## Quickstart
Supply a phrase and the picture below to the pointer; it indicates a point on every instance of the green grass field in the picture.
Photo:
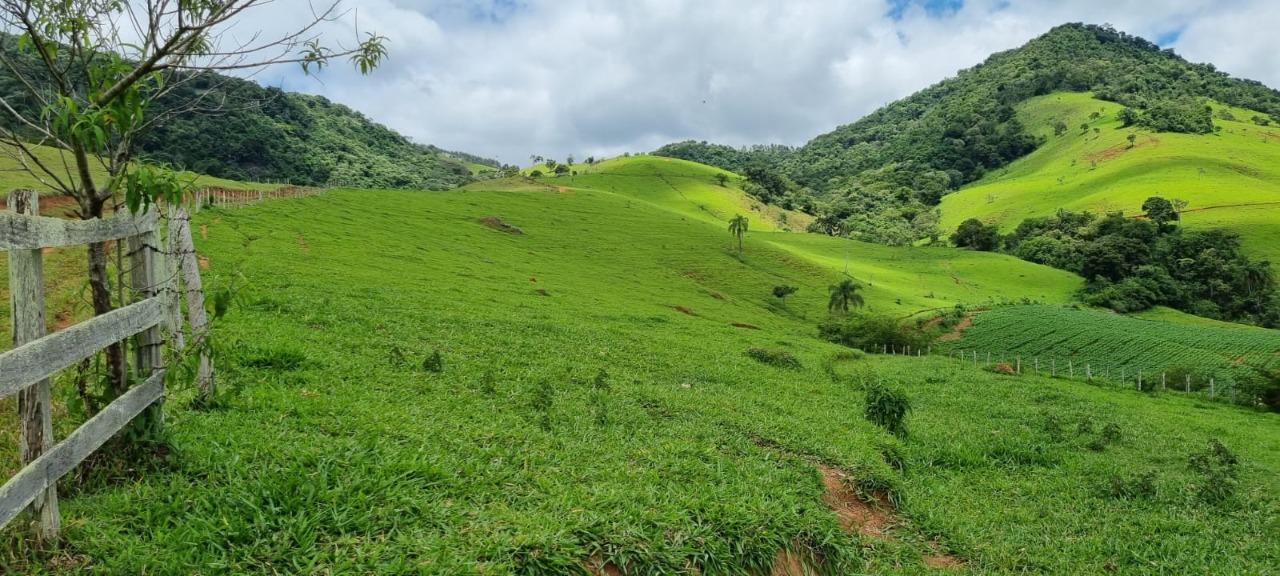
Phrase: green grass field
(340, 450)
(1110, 343)
(14, 175)
(687, 188)
(1216, 174)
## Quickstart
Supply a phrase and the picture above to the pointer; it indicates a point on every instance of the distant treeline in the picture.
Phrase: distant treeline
(1132, 264)
(234, 128)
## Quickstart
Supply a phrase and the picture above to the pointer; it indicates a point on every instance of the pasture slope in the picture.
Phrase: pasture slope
(1230, 179)
(594, 405)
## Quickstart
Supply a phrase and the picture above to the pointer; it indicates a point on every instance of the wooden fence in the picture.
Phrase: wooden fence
(225, 197)
(25, 370)
(1141, 379)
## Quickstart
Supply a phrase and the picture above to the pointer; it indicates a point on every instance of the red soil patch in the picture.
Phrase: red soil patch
(855, 515)
(685, 309)
(789, 564)
(497, 224)
(204, 262)
(940, 560)
(957, 332)
(62, 320)
(562, 190)
(1003, 368)
(1238, 360)
(204, 231)
(49, 205)
(1108, 154)
(1271, 135)
(597, 567)
(745, 326)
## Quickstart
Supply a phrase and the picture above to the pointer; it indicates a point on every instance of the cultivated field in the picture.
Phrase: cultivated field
(1110, 343)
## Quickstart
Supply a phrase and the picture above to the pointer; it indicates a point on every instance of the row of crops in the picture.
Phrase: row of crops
(1113, 344)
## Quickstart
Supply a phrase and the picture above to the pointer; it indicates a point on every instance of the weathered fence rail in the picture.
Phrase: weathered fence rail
(25, 370)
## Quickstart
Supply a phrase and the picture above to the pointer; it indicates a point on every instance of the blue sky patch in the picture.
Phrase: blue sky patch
(933, 8)
(1170, 37)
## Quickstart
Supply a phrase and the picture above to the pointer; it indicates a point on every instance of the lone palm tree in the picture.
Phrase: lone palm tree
(738, 227)
(843, 295)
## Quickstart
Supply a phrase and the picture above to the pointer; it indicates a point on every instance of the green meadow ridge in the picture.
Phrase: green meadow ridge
(536, 376)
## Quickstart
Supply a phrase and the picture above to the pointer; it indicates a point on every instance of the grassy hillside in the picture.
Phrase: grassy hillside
(13, 175)
(898, 281)
(1230, 179)
(595, 402)
(686, 188)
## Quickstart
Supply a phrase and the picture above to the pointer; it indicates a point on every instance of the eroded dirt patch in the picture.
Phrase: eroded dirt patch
(598, 567)
(497, 224)
(855, 514)
(957, 332)
(686, 310)
(745, 326)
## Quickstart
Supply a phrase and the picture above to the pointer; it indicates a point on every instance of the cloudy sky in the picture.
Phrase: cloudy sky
(510, 78)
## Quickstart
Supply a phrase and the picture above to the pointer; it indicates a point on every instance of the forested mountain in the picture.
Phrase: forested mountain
(237, 129)
(876, 176)
(966, 125)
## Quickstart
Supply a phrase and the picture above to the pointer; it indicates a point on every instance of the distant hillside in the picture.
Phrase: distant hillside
(263, 133)
(237, 129)
(967, 125)
(1230, 179)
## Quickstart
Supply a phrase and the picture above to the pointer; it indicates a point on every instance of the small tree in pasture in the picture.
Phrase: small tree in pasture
(844, 295)
(737, 227)
(782, 291)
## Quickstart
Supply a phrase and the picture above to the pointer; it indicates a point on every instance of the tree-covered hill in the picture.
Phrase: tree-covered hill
(966, 125)
(237, 129)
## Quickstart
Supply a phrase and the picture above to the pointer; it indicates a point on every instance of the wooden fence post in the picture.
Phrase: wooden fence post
(148, 345)
(196, 315)
(171, 279)
(26, 298)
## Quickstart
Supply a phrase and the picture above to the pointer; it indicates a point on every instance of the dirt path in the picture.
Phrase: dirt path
(957, 332)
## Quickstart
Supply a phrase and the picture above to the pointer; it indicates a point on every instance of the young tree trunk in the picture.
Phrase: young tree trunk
(100, 288)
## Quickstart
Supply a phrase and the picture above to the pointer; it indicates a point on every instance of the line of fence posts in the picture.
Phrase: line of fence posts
(36, 356)
(225, 198)
(1089, 374)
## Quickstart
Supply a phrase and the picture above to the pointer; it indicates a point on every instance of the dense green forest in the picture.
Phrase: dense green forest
(1134, 264)
(876, 176)
(237, 129)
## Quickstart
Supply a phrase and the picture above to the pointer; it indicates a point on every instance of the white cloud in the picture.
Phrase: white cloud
(509, 78)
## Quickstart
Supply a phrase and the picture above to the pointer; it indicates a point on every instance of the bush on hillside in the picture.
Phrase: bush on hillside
(887, 407)
(871, 333)
(779, 358)
(1184, 115)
